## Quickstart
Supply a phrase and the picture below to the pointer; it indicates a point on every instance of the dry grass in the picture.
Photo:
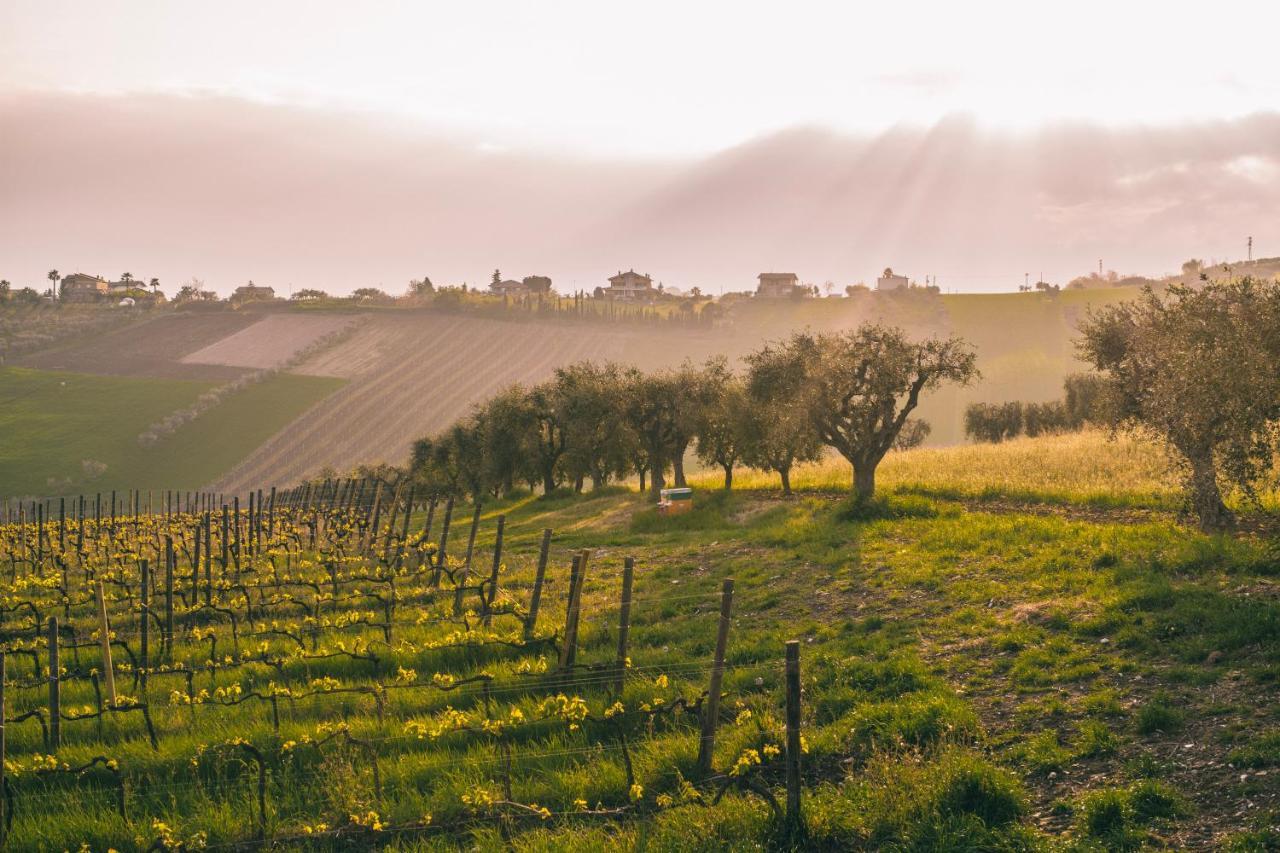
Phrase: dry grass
(1087, 467)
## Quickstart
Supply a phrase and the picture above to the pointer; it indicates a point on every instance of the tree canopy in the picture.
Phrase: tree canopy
(1196, 368)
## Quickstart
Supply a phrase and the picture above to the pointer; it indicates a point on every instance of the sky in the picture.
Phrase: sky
(348, 145)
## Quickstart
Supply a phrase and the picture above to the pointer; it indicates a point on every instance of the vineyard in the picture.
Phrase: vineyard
(349, 665)
(325, 664)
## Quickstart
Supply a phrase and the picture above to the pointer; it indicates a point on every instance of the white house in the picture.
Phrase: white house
(778, 285)
(630, 286)
(889, 281)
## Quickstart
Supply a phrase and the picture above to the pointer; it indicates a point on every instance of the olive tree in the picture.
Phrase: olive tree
(509, 447)
(694, 389)
(860, 387)
(723, 422)
(548, 434)
(1196, 369)
(651, 405)
(599, 444)
(779, 432)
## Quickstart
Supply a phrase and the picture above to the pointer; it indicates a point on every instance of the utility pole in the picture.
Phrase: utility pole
(1250, 250)
(1099, 267)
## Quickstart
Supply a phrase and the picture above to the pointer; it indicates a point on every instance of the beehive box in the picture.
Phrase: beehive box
(675, 501)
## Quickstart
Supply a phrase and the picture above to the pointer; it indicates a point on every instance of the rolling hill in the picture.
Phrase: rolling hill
(392, 376)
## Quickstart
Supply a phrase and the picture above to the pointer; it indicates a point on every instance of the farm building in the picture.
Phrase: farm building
(889, 281)
(79, 287)
(630, 286)
(779, 285)
(509, 287)
(253, 293)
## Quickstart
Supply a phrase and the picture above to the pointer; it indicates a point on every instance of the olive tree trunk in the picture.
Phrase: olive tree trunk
(1206, 497)
(864, 481)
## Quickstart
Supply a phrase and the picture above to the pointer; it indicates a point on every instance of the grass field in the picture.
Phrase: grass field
(51, 422)
(1083, 469)
(978, 673)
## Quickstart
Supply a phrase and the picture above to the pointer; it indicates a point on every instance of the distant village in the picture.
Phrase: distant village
(628, 287)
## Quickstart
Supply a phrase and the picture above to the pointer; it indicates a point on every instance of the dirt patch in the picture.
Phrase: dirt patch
(269, 342)
(151, 347)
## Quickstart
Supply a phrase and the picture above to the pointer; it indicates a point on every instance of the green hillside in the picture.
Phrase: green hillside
(1017, 648)
(53, 423)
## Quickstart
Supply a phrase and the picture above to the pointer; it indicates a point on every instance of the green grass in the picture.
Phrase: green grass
(1082, 471)
(977, 676)
(53, 422)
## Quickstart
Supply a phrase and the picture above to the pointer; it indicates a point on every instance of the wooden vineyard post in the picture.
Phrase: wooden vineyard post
(426, 526)
(55, 688)
(711, 713)
(466, 563)
(208, 558)
(195, 566)
(471, 541)
(624, 621)
(170, 563)
(104, 638)
(371, 531)
(793, 734)
(237, 545)
(574, 568)
(144, 627)
(403, 546)
(271, 514)
(492, 592)
(226, 537)
(444, 542)
(391, 522)
(531, 623)
(570, 654)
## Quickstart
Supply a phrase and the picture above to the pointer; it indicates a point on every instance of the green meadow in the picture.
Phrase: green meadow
(978, 674)
(53, 423)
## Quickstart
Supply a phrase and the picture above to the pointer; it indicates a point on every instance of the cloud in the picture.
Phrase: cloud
(229, 190)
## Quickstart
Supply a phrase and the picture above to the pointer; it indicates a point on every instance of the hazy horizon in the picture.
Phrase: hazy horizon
(299, 145)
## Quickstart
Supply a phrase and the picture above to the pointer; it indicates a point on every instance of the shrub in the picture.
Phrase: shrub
(1084, 399)
(1042, 753)
(956, 801)
(1118, 816)
(1159, 715)
(976, 788)
(1107, 816)
(1261, 751)
(1096, 740)
(1044, 418)
(993, 422)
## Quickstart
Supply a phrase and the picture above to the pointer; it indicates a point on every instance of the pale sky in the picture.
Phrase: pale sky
(664, 78)
(348, 144)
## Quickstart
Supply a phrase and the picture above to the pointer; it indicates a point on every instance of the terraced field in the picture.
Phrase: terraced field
(153, 346)
(269, 342)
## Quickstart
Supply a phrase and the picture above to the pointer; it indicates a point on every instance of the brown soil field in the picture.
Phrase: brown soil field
(268, 342)
(413, 375)
(151, 347)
